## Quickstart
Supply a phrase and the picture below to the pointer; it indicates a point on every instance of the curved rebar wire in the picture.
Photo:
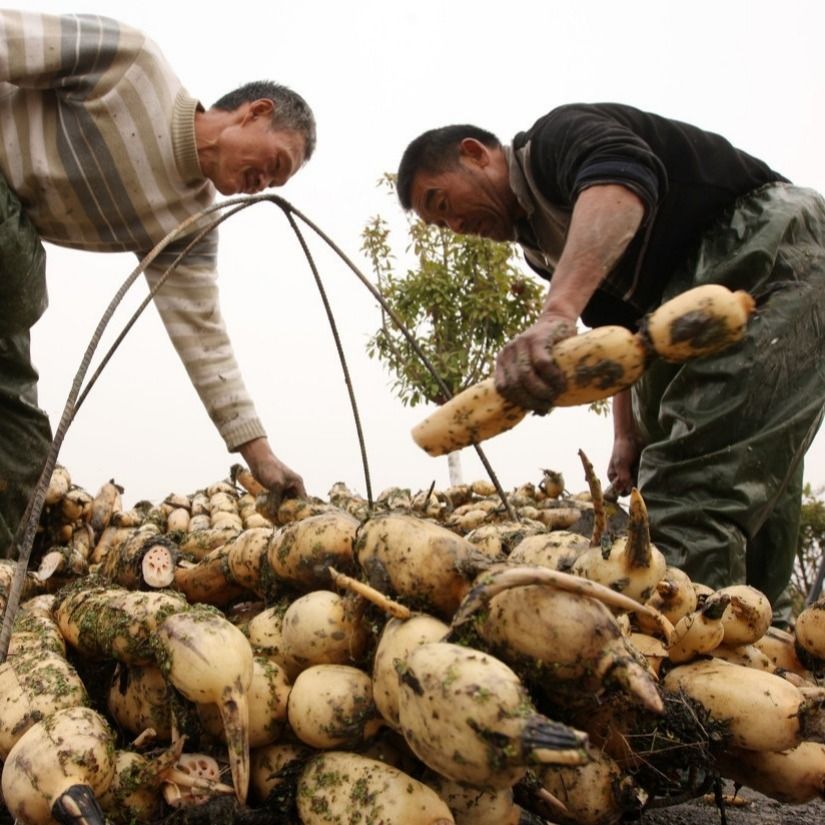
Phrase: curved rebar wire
(130, 323)
(145, 302)
(407, 334)
(289, 210)
(342, 358)
(287, 213)
(24, 536)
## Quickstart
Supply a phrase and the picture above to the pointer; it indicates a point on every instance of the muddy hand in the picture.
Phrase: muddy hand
(526, 373)
(623, 469)
(281, 481)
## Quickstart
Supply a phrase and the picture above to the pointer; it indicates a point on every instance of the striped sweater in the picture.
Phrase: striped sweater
(97, 138)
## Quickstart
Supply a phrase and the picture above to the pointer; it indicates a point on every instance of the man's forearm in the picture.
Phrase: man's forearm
(623, 423)
(188, 304)
(604, 221)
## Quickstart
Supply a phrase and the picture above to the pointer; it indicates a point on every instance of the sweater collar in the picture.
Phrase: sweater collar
(518, 181)
(525, 235)
(183, 137)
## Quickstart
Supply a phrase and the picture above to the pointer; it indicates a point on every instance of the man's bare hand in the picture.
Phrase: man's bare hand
(525, 371)
(270, 471)
(623, 468)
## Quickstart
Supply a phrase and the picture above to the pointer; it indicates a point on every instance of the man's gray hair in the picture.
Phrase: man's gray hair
(433, 152)
(292, 112)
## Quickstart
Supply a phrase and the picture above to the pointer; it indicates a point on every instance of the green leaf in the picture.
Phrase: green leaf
(462, 301)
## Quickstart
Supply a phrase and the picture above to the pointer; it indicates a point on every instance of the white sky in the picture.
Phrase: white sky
(377, 73)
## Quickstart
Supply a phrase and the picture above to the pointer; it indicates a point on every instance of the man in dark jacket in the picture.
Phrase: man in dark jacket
(622, 209)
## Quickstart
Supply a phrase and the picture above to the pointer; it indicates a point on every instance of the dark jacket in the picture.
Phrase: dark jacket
(685, 176)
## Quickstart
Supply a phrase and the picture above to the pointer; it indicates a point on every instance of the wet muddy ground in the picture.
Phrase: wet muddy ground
(759, 810)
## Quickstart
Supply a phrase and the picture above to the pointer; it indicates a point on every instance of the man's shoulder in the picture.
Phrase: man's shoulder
(119, 50)
(567, 115)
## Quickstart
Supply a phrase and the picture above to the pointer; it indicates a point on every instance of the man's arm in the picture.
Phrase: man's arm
(270, 470)
(605, 219)
(627, 445)
(189, 307)
(75, 53)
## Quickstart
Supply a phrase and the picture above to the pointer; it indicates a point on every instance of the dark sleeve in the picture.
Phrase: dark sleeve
(602, 309)
(542, 272)
(580, 145)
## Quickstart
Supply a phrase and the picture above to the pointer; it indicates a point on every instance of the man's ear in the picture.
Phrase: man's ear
(263, 107)
(474, 151)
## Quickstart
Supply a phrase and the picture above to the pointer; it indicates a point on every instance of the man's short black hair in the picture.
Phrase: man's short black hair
(291, 113)
(434, 151)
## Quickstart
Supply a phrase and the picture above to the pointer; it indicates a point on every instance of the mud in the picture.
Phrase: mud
(758, 810)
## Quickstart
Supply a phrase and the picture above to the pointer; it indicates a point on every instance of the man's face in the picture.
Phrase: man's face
(253, 156)
(471, 198)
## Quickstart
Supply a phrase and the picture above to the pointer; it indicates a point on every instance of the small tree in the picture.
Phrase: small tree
(810, 546)
(465, 299)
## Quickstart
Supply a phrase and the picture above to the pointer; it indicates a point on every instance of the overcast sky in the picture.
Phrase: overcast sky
(377, 73)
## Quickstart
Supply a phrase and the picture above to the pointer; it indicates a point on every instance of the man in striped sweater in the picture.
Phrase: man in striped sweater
(101, 148)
